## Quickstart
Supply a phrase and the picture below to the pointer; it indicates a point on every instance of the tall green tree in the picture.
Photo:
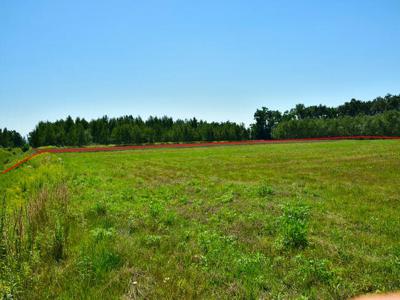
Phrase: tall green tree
(265, 120)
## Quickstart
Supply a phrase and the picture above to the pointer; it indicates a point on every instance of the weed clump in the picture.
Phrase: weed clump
(169, 218)
(264, 190)
(156, 209)
(294, 226)
(99, 234)
(152, 241)
(100, 208)
(227, 197)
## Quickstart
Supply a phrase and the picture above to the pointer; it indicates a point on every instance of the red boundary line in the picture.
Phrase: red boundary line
(192, 145)
(20, 162)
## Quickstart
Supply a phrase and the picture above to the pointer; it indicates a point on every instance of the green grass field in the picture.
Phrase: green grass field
(285, 221)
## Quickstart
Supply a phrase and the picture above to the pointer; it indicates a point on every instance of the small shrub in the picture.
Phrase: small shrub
(293, 226)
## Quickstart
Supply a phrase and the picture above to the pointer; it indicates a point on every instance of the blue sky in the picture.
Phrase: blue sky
(216, 60)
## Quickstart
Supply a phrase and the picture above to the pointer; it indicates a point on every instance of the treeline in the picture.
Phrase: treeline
(356, 117)
(384, 124)
(132, 130)
(293, 123)
(10, 139)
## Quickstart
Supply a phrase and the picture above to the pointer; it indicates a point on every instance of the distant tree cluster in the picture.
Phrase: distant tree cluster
(266, 120)
(384, 124)
(10, 138)
(132, 130)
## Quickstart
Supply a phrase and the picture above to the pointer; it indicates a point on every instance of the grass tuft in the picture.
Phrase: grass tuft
(294, 226)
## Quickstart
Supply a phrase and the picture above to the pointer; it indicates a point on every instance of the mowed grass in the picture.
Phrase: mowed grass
(285, 221)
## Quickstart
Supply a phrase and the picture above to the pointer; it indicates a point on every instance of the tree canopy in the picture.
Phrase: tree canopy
(300, 121)
(10, 138)
(133, 130)
(384, 124)
(376, 117)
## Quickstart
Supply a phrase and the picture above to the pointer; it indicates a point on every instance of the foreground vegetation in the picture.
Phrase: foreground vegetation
(311, 220)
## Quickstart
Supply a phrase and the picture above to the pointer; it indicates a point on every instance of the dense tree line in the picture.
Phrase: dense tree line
(266, 120)
(10, 138)
(132, 130)
(352, 108)
(356, 117)
(387, 124)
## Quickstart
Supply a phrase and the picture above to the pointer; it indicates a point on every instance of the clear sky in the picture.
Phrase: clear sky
(216, 60)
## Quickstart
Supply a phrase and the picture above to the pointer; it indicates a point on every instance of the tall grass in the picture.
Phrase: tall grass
(33, 234)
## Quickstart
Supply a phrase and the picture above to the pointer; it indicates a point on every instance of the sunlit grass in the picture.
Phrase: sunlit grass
(273, 221)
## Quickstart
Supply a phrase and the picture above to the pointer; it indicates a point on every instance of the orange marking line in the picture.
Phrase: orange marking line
(192, 145)
(20, 162)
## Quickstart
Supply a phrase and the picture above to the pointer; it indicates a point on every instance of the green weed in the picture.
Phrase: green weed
(294, 226)
(152, 241)
(100, 234)
(100, 208)
(264, 190)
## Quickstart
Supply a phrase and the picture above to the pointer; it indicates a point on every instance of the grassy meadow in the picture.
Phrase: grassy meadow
(284, 221)
(7, 156)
